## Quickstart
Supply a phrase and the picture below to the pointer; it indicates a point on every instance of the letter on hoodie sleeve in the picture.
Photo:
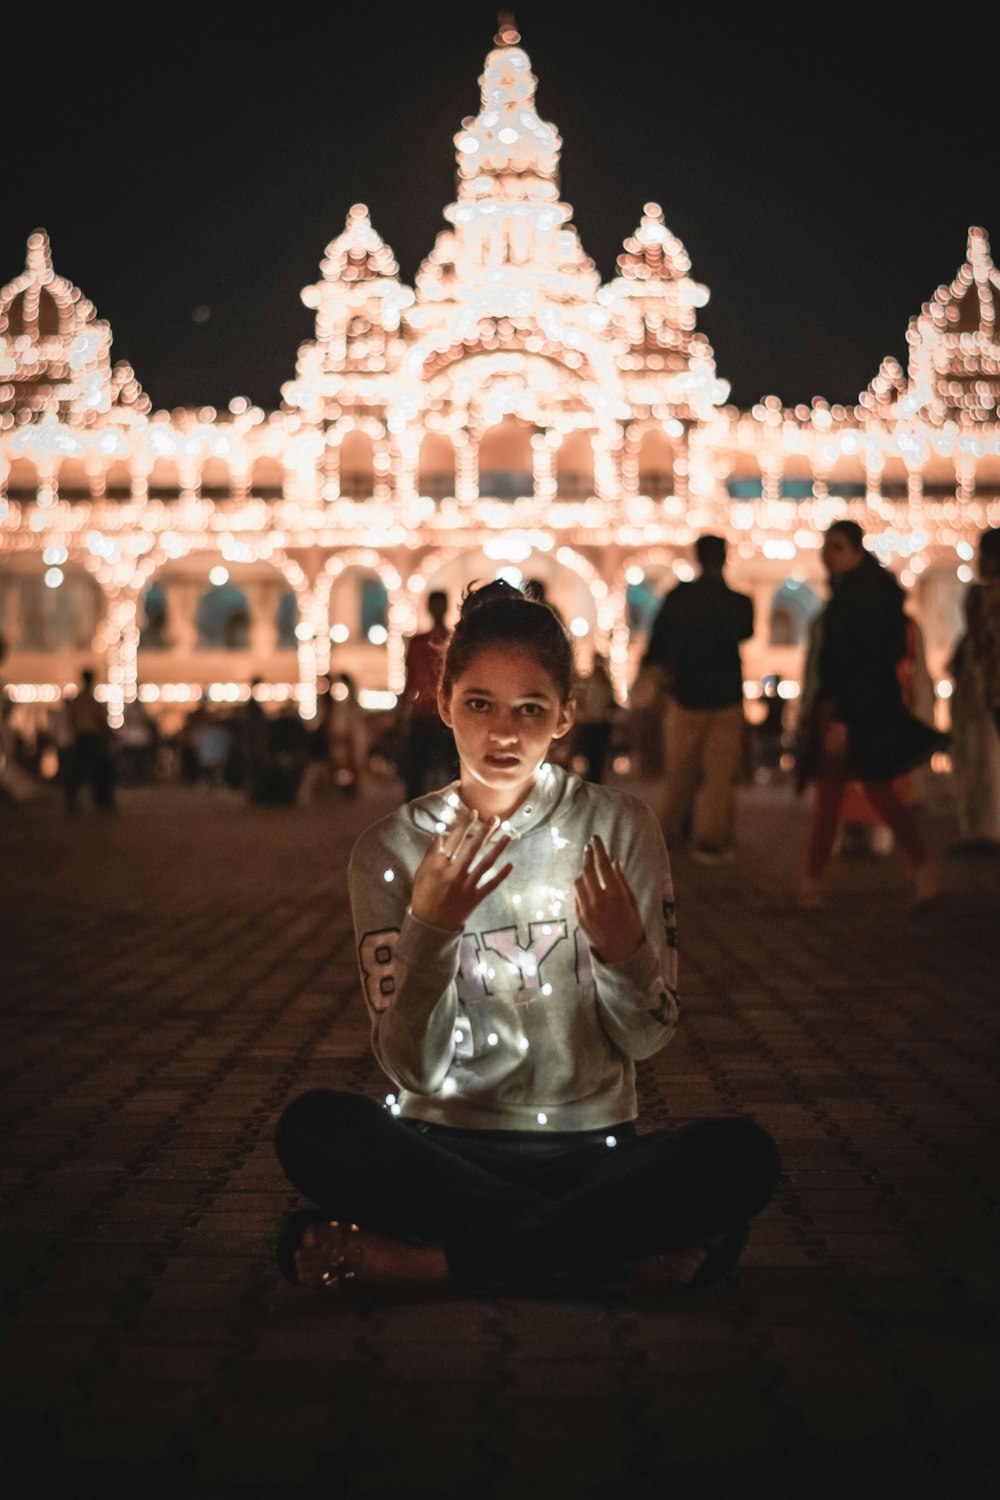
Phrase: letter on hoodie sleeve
(408, 969)
(637, 999)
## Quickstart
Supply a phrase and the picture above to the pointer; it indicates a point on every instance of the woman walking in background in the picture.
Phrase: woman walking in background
(855, 725)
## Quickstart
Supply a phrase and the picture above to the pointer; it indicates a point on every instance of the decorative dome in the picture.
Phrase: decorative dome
(653, 302)
(954, 349)
(55, 353)
(652, 253)
(358, 303)
(359, 254)
(887, 389)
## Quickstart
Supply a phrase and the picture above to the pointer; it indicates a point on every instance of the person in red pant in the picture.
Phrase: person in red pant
(855, 725)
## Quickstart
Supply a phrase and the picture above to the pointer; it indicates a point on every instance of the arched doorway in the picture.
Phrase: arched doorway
(505, 460)
(794, 605)
(154, 615)
(656, 465)
(357, 466)
(49, 604)
(223, 618)
(575, 467)
(436, 471)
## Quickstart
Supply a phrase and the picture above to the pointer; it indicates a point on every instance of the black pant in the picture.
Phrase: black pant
(512, 1208)
(593, 741)
(89, 763)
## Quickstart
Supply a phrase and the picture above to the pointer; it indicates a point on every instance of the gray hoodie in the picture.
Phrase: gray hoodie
(513, 1023)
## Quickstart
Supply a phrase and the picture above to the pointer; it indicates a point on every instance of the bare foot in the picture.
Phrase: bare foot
(334, 1254)
(670, 1271)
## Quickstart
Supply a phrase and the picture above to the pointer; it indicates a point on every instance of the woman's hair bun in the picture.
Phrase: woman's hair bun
(498, 616)
(499, 591)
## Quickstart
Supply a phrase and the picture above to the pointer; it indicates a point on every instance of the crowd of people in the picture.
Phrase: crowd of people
(863, 723)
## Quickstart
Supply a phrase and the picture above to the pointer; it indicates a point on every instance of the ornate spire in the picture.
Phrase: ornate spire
(360, 278)
(654, 303)
(886, 390)
(511, 275)
(970, 303)
(986, 280)
(652, 253)
(507, 140)
(39, 258)
(507, 32)
(358, 301)
(359, 254)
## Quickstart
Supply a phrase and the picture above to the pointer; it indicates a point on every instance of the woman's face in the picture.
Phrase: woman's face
(840, 554)
(505, 711)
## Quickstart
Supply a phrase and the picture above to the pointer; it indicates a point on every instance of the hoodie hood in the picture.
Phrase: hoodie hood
(437, 812)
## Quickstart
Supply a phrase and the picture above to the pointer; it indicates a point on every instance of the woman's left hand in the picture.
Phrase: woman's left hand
(608, 911)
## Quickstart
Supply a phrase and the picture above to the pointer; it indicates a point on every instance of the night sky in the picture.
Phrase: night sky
(821, 176)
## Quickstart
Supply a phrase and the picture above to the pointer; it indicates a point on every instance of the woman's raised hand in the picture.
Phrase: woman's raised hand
(608, 911)
(449, 884)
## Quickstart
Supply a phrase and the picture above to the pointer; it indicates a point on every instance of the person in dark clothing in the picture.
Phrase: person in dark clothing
(429, 747)
(695, 643)
(90, 761)
(595, 716)
(854, 725)
(254, 743)
(771, 729)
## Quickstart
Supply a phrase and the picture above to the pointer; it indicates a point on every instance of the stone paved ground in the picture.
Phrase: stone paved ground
(172, 976)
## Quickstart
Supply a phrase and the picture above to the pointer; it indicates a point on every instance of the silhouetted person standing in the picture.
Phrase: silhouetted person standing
(695, 641)
(254, 742)
(428, 745)
(89, 760)
(982, 613)
(595, 713)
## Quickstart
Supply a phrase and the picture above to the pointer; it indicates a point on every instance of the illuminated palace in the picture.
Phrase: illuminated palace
(509, 411)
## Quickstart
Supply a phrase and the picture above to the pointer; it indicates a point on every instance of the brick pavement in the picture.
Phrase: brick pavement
(173, 975)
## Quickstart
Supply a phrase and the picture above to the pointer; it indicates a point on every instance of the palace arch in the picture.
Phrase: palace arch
(506, 467)
(436, 467)
(575, 467)
(656, 464)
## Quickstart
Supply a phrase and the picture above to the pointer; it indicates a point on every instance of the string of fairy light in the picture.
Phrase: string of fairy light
(509, 357)
(545, 901)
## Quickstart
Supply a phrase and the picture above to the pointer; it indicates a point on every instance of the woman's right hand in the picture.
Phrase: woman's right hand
(449, 884)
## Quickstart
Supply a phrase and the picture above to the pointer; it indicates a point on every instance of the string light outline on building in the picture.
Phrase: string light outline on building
(507, 323)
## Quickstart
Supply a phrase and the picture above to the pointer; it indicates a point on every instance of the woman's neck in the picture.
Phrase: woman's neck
(493, 803)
